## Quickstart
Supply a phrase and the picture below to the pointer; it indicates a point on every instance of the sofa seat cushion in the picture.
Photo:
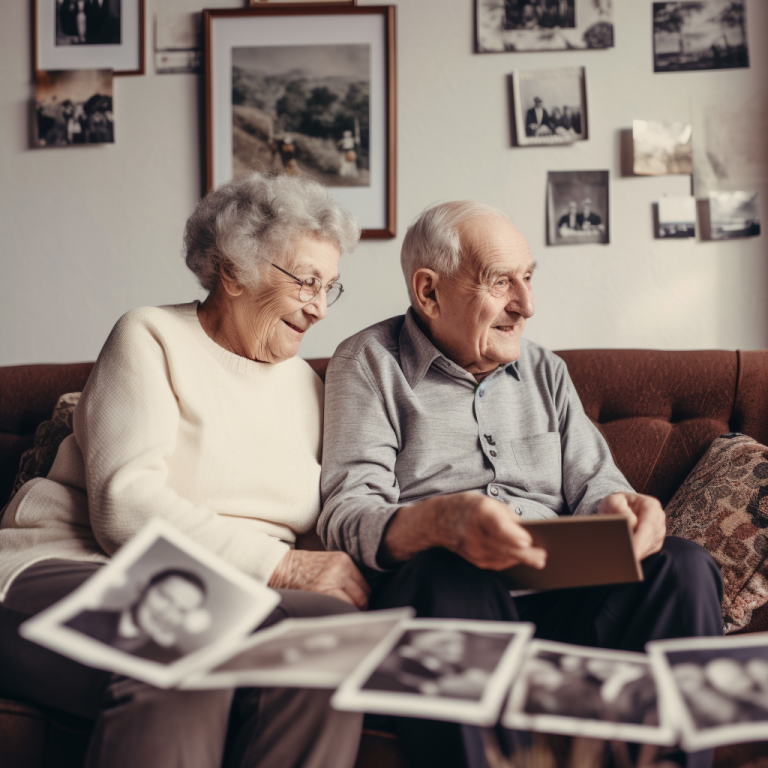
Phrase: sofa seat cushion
(723, 506)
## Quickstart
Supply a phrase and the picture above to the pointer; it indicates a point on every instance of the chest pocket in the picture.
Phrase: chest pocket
(541, 462)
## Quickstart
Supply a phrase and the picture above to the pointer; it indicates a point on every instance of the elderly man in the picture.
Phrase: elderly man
(444, 428)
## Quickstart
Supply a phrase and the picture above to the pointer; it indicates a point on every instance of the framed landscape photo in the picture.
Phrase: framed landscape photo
(306, 90)
(90, 34)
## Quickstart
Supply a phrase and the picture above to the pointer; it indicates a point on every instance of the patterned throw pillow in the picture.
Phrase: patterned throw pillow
(49, 435)
(723, 506)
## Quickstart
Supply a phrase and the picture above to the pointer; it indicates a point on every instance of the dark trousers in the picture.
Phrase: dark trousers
(680, 596)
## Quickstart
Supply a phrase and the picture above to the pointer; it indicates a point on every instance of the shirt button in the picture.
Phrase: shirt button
(493, 453)
(519, 510)
(494, 491)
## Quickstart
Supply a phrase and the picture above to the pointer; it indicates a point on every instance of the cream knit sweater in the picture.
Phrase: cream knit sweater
(170, 424)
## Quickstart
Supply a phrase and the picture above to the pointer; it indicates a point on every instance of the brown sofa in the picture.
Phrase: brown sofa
(659, 411)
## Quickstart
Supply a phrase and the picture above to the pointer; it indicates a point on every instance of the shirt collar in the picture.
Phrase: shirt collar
(418, 353)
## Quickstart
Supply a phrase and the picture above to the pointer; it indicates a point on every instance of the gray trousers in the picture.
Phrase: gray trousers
(138, 724)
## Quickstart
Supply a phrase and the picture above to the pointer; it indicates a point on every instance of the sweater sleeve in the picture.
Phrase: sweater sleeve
(126, 425)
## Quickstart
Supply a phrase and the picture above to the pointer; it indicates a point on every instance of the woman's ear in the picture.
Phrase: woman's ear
(424, 287)
(228, 282)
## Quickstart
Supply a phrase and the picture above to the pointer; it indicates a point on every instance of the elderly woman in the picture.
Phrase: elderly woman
(203, 415)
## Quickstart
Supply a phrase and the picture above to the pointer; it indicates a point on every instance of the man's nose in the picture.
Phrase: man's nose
(521, 300)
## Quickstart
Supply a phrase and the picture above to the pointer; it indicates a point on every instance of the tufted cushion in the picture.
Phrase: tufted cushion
(723, 506)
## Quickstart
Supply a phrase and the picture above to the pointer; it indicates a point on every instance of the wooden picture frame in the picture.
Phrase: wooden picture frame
(66, 38)
(326, 109)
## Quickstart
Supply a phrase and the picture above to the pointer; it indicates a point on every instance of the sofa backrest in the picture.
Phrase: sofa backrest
(659, 411)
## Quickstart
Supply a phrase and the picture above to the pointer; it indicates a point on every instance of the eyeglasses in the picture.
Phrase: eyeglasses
(310, 287)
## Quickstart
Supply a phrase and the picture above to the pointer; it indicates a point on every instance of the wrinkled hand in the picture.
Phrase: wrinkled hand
(330, 573)
(483, 531)
(646, 518)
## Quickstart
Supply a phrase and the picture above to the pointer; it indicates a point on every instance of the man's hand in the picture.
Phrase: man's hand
(646, 518)
(480, 529)
(331, 573)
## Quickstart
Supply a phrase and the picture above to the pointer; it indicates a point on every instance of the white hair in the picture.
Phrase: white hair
(433, 241)
(237, 226)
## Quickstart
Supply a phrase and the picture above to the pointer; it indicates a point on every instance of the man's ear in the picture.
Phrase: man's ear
(228, 282)
(424, 287)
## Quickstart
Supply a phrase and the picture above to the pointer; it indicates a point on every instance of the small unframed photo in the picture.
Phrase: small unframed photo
(733, 215)
(307, 653)
(178, 42)
(580, 691)
(440, 669)
(661, 148)
(717, 687)
(74, 106)
(577, 207)
(677, 217)
(550, 106)
(164, 607)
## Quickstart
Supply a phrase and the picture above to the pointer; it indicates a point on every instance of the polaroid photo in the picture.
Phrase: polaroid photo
(306, 653)
(717, 687)
(677, 217)
(733, 215)
(439, 669)
(578, 691)
(550, 106)
(163, 608)
(577, 207)
(661, 148)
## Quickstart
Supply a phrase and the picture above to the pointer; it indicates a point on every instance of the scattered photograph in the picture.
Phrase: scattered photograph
(163, 608)
(74, 107)
(677, 217)
(439, 669)
(543, 25)
(707, 34)
(733, 215)
(178, 42)
(550, 106)
(577, 207)
(303, 110)
(581, 691)
(88, 22)
(306, 653)
(661, 148)
(717, 687)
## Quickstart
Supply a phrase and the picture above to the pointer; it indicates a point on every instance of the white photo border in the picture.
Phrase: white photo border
(47, 628)
(351, 697)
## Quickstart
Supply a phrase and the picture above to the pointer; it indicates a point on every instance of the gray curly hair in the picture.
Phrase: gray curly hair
(256, 217)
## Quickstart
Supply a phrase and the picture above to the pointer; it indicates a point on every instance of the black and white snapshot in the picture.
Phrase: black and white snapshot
(178, 42)
(705, 34)
(74, 106)
(583, 691)
(162, 608)
(88, 22)
(677, 217)
(302, 110)
(577, 207)
(441, 669)
(312, 653)
(661, 148)
(717, 687)
(550, 106)
(543, 25)
(733, 215)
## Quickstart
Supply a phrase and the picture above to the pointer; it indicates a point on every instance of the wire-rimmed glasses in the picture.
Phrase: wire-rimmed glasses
(309, 287)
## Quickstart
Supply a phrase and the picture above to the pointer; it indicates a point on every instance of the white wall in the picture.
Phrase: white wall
(87, 233)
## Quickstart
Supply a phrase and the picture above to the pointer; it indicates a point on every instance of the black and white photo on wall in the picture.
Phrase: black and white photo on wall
(178, 42)
(733, 215)
(89, 34)
(577, 207)
(705, 34)
(74, 107)
(550, 106)
(661, 148)
(542, 25)
(676, 217)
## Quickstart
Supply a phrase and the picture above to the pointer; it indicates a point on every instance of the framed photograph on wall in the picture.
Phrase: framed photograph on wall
(306, 90)
(90, 34)
(577, 207)
(550, 106)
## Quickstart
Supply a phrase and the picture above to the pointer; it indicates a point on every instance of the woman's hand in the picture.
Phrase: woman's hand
(330, 573)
